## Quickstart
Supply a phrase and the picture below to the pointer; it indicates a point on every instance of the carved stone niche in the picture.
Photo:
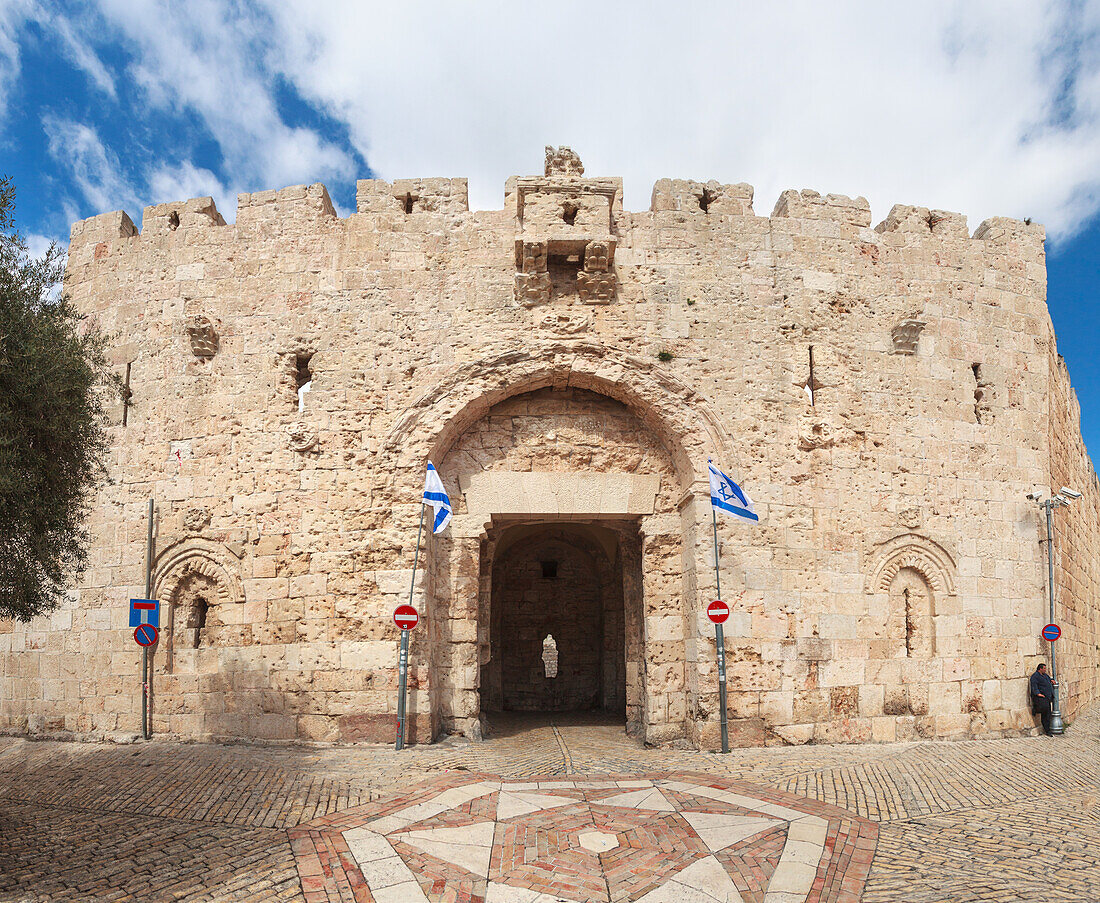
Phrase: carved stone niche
(204, 341)
(906, 336)
(596, 285)
(533, 282)
(912, 550)
(562, 161)
(194, 578)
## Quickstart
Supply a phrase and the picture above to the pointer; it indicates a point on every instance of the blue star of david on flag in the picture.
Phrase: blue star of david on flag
(436, 496)
(726, 495)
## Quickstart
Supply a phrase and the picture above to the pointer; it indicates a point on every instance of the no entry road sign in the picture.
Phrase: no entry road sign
(405, 617)
(146, 635)
(1051, 632)
(718, 611)
(144, 611)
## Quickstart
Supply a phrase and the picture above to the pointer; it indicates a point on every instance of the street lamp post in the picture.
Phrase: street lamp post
(1061, 500)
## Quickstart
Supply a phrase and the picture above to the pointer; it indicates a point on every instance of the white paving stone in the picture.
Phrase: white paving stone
(509, 805)
(468, 846)
(598, 841)
(719, 831)
(648, 798)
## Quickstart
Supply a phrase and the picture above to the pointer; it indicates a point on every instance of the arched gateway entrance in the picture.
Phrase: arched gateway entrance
(560, 635)
(567, 581)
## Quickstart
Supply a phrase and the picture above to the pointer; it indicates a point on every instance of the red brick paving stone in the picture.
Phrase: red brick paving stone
(751, 863)
(441, 881)
(541, 851)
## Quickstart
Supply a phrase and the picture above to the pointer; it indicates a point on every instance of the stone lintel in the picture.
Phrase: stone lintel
(566, 495)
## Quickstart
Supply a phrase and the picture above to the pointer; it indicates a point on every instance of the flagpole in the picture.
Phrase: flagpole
(720, 641)
(403, 653)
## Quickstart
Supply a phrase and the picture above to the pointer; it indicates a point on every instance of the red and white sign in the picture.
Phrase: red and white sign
(718, 611)
(405, 617)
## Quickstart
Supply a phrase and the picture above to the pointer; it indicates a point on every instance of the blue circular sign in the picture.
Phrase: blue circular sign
(146, 635)
(1051, 632)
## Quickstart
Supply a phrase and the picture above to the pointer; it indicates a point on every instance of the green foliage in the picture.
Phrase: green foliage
(664, 356)
(53, 370)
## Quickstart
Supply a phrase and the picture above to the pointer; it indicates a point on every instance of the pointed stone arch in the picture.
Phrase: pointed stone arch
(190, 577)
(912, 550)
(197, 556)
(676, 413)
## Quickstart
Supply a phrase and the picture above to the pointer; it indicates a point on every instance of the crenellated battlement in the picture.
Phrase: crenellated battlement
(194, 213)
(409, 196)
(299, 207)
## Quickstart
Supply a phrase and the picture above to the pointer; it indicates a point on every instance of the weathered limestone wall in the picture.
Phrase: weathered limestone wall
(894, 587)
(1076, 549)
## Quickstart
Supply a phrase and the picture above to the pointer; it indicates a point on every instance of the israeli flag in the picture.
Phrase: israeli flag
(436, 496)
(726, 495)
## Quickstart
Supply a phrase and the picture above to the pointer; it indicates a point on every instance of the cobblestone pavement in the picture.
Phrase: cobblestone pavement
(991, 820)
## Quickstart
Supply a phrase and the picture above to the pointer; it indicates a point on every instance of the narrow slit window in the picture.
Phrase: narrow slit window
(303, 377)
(810, 385)
(197, 621)
(704, 200)
(981, 402)
(409, 202)
(549, 570)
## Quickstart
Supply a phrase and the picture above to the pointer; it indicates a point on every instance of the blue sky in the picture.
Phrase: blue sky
(987, 108)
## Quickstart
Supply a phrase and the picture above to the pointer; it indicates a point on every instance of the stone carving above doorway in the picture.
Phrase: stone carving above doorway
(912, 550)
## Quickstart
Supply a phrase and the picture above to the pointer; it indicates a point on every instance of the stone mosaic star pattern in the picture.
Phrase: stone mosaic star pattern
(664, 838)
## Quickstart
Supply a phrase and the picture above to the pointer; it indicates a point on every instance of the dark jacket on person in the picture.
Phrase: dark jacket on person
(1041, 684)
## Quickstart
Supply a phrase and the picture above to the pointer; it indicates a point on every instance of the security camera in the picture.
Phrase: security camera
(1034, 496)
(1070, 493)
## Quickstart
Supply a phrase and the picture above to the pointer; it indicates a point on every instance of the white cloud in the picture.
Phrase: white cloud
(38, 245)
(207, 57)
(81, 54)
(13, 14)
(940, 104)
(94, 168)
(185, 180)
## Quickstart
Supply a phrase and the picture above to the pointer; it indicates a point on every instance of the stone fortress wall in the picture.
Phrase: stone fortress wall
(887, 395)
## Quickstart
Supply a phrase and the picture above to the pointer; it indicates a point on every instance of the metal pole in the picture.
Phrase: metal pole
(403, 652)
(720, 643)
(1056, 726)
(146, 730)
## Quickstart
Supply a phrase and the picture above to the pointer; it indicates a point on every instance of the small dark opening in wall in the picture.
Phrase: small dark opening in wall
(409, 201)
(303, 376)
(810, 386)
(198, 618)
(549, 570)
(979, 391)
(173, 220)
(704, 200)
(569, 213)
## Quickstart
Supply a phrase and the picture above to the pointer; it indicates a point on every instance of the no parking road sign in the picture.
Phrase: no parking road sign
(718, 611)
(144, 611)
(1051, 632)
(405, 617)
(146, 635)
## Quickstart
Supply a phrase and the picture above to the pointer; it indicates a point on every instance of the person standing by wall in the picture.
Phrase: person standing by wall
(1042, 695)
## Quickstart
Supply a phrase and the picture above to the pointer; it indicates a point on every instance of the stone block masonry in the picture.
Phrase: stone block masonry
(887, 395)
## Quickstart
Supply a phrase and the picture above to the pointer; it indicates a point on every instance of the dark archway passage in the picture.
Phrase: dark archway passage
(557, 622)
